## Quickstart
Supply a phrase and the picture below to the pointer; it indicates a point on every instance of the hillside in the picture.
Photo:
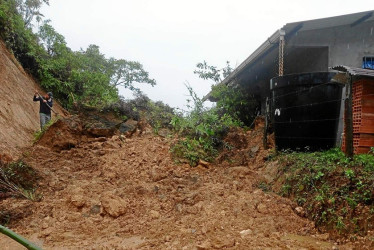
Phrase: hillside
(102, 190)
(19, 115)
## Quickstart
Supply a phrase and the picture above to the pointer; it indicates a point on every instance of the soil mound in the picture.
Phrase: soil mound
(70, 132)
(127, 193)
(246, 147)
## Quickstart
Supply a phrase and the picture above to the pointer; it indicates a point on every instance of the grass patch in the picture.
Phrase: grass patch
(38, 134)
(336, 193)
(20, 180)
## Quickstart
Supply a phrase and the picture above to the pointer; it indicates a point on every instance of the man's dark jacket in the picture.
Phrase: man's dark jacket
(43, 106)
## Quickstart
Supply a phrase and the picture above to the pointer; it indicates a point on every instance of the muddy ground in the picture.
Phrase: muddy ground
(127, 193)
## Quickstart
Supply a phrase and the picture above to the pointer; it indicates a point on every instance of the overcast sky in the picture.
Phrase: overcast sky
(169, 37)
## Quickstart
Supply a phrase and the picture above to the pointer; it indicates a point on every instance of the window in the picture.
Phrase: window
(368, 62)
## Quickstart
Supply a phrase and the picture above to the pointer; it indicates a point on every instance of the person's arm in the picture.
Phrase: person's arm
(36, 98)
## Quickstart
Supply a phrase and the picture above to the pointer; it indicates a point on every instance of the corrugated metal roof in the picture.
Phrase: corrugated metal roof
(355, 71)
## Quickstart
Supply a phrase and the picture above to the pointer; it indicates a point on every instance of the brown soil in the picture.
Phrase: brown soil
(127, 193)
(19, 115)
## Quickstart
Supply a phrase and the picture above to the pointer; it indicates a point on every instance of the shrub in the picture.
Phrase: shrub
(200, 131)
(333, 189)
(237, 102)
(157, 114)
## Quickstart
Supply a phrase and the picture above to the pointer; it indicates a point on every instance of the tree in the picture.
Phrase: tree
(127, 73)
(51, 40)
(30, 9)
(86, 76)
(208, 72)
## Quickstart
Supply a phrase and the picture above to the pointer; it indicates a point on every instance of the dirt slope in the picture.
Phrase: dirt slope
(19, 117)
(126, 193)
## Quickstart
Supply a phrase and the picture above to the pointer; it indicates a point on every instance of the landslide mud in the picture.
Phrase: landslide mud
(127, 193)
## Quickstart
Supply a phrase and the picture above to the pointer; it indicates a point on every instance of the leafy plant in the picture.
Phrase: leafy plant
(200, 130)
(332, 188)
(238, 102)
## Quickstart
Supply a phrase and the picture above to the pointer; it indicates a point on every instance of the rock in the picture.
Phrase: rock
(245, 233)
(323, 237)
(255, 149)
(95, 209)
(128, 126)
(101, 132)
(204, 245)
(77, 200)
(300, 211)
(204, 163)
(224, 243)
(101, 152)
(154, 214)
(44, 225)
(111, 144)
(167, 238)
(113, 205)
(179, 207)
(276, 235)
(156, 175)
(47, 231)
(101, 139)
(258, 192)
(262, 208)
(240, 171)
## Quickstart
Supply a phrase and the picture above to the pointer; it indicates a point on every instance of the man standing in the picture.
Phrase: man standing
(46, 104)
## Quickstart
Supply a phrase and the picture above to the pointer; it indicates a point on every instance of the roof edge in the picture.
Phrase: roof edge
(258, 52)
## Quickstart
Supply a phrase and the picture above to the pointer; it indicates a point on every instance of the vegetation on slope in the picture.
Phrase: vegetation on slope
(200, 131)
(84, 76)
(336, 192)
(18, 179)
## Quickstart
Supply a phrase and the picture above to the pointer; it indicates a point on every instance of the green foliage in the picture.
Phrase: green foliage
(236, 102)
(207, 72)
(157, 114)
(18, 178)
(333, 189)
(86, 76)
(126, 73)
(18, 38)
(201, 131)
(30, 9)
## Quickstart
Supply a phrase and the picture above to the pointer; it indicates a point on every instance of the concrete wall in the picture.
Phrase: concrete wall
(346, 45)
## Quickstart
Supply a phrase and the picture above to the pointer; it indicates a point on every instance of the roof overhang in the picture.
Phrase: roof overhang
(270, 42)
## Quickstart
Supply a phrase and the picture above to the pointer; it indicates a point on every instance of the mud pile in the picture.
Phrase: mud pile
(70, 132)
(126, 193)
